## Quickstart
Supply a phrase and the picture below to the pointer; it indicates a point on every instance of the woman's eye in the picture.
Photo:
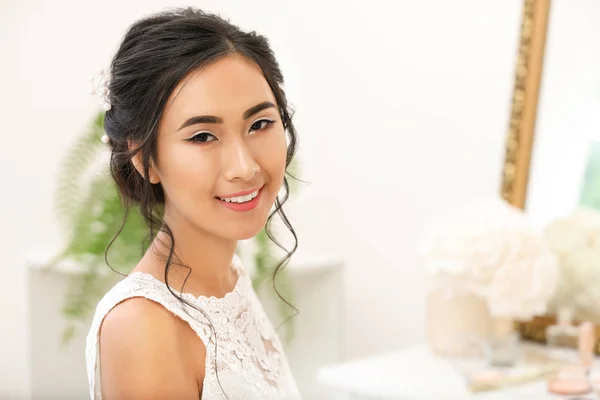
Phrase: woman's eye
(203, 137)
(261, 124)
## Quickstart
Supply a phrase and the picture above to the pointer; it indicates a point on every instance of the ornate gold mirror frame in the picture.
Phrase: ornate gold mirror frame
(519, 144)
(526, 90)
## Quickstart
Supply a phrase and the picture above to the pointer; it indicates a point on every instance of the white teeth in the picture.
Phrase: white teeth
(240, 199)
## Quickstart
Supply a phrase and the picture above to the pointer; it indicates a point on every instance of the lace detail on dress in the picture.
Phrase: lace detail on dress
(243, 351)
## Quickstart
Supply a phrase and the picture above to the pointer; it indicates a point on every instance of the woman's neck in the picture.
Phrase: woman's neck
(206, 258)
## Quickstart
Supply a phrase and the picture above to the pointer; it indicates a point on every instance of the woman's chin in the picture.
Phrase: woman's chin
(248, 233)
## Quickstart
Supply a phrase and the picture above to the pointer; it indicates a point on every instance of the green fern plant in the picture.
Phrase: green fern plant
(91, 211)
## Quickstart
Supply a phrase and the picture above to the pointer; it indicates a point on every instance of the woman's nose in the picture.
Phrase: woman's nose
(240, 163)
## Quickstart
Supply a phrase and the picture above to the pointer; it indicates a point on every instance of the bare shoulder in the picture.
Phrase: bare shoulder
(145, 353)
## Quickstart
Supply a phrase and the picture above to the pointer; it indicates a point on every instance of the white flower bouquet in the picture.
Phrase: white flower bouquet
(575, 239)
(491, 250)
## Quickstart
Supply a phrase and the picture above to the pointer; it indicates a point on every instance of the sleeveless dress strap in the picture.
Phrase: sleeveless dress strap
(136, 285)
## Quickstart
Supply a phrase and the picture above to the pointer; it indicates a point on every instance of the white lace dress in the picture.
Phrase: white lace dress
(250, 360)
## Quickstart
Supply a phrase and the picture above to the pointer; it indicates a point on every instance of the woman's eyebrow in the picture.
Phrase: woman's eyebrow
(211, 119)
(258, 108)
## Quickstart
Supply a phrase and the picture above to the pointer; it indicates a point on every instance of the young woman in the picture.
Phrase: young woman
(201, 137)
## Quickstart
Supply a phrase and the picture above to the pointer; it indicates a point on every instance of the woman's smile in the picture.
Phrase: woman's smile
(242, 201)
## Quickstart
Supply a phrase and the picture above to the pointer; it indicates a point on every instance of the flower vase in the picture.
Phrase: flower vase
(457, 324)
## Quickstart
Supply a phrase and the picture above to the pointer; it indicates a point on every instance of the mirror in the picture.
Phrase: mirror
(553, 149)
(565, 161)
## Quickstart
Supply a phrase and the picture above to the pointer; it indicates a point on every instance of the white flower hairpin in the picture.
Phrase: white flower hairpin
(100, 81)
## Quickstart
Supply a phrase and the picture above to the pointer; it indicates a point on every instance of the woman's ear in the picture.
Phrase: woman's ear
(139, 165)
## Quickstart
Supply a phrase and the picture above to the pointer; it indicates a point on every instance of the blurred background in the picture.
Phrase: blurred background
(403, 110)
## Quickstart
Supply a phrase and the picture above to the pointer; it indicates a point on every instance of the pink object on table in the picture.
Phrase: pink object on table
(570, 386)
(587, 341)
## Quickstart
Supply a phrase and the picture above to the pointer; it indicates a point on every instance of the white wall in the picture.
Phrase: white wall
(402, 111)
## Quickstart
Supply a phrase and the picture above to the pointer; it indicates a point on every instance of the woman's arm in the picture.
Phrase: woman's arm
(145, 354)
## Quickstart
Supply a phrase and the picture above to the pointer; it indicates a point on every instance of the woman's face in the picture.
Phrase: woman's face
(221, 150)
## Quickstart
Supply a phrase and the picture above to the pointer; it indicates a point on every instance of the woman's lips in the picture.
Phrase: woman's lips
(243, 206)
